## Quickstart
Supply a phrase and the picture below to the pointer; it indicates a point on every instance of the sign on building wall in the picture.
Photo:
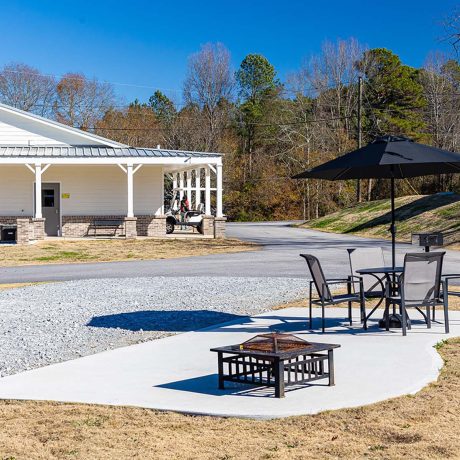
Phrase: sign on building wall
(65, 196)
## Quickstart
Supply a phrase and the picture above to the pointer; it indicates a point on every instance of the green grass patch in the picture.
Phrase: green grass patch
(64, 255)
(417, 213)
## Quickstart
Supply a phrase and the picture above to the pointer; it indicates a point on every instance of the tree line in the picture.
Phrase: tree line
(270, 129)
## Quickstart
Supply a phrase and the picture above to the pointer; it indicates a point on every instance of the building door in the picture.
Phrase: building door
(51, 208)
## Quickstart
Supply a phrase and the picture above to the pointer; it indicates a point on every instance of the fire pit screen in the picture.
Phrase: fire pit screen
(275, 343)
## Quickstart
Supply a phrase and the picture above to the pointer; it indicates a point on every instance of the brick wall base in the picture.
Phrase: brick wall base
(38, 229)
(22, 231)
(131, 227)
(28, 228)
(219, 227)
(81, 226)
(153, 226)
(208, 226)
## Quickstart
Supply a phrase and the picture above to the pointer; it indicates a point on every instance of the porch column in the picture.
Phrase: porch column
(219, 212)
(181, 185)
(38, 191)
(197, 187)
(129, 171)
(189, 186)
(207, 186)
(174, 184)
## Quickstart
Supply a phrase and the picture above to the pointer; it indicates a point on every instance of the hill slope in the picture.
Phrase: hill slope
(417, 213)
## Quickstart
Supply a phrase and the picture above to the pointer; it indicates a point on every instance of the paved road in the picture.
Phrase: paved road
(279, 256)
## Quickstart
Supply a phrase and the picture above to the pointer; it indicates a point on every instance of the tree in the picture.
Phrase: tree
(452, 26)
(208, 84)
(82, 102)
(25, 88)
(257, 84)
(394, 94)
(256, 78)
(162, 107)
(136, 126)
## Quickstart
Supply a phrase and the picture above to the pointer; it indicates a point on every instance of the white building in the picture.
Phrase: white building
(80, 178)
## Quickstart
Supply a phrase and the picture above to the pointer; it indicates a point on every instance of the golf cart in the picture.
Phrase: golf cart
(192, 218)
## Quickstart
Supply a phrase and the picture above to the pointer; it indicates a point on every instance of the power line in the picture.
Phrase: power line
(60, 76)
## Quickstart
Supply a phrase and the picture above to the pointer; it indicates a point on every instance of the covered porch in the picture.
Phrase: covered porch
(129, 189)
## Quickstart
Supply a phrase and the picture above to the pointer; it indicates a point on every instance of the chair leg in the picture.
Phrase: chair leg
(311, 314)
(446, 313)
(387, 315)
(404, 318)
(350, 313)
(428, 317)
(434, 313)
(363, 312)
(323, 320)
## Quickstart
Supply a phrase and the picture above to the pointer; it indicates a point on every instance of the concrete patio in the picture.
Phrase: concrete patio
(178, 373)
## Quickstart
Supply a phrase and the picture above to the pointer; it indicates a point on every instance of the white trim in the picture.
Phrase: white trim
(123, 168)
(130, 183)
(197, 187)
(161, 211)
(164, 161)
(139, 166)
(181, 185)
(219, 211)
(30, 168)
(45, 168)
(207, 189)
(189, 186)
(38, 192)
(68, 129)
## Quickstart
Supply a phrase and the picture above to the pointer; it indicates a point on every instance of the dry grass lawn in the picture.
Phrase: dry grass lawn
(67, 251)
(422, 426)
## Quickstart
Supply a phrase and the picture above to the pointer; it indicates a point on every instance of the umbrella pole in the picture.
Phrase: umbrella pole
(393, 226)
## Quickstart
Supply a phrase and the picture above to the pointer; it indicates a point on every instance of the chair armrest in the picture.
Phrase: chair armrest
(348, 280)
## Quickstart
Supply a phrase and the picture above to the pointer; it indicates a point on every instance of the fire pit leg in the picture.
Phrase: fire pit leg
(278, 371)
(330, 363)
(221, 370)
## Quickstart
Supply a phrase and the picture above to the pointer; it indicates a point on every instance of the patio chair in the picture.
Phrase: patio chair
(325, 296)
(420, 288)
(374, 287)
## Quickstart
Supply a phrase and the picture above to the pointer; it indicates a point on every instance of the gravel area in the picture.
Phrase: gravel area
(50, 323)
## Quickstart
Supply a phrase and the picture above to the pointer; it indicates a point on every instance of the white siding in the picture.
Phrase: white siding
(16, 191)
(15, 135)
(21, 129)
(94, 190)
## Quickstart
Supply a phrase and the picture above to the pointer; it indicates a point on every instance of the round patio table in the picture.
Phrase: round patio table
(389, 273)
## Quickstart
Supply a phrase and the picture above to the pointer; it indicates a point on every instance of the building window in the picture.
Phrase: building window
(48, 198)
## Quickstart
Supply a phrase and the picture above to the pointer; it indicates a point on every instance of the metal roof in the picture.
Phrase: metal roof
(96, 152)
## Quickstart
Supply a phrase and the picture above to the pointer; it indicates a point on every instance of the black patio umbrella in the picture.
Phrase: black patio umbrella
(391, 157)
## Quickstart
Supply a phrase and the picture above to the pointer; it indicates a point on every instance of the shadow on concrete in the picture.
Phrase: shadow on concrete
(160, 320)
(415, 208)
(208, 385)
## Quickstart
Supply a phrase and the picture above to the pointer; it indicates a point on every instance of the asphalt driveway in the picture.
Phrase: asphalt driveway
(280, 243)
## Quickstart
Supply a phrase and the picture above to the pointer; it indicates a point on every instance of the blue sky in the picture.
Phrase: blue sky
(141, 45)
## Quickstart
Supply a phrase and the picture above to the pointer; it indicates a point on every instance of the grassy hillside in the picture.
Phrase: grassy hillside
(418, 213)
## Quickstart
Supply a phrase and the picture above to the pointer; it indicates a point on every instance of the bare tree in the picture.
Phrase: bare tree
(452, 26)
(25, 88)
(208, 84)
(82, 102)
(319, 121)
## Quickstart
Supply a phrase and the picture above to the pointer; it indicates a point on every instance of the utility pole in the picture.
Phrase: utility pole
(360, 106)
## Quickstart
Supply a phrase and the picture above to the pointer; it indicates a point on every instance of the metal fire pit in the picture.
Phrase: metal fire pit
(276, 360)
(275, 342)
